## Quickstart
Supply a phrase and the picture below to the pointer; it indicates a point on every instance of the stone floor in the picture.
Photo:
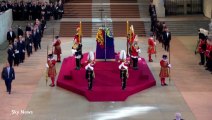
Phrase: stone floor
(189, 90)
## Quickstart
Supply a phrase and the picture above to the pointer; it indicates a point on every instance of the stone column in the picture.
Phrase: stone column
(160, 9)
(207, 8)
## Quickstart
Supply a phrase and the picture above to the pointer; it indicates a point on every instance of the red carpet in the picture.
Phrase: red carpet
(107, 84)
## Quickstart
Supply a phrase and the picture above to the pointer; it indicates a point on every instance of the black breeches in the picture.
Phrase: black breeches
(124, 80)
(90, 83)
(202, 57)
(135, 62)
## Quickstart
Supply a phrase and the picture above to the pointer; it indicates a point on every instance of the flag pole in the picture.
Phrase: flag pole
(53, 39)
(169, 62)
(155, 45)
(47, 63)
(80, 32)
(127, 37)
(105, 41)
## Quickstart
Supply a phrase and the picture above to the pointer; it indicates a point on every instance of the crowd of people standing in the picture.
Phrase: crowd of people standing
(33, 10)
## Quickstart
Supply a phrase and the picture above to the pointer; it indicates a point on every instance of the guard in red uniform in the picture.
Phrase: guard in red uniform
(151, 48)
(51, 69)
(201, 50)
(208, 55)
(164, 71)
(57, 48)
(135, 50)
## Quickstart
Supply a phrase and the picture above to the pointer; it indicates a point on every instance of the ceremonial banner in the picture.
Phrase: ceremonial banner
(105, 46)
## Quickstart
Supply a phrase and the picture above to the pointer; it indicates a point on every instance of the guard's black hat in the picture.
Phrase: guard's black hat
(50, 55)
(151, 34)
(164, 56)
(56, 37)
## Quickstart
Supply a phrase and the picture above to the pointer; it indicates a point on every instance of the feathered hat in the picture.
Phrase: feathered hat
(122, 55)
(90, 56)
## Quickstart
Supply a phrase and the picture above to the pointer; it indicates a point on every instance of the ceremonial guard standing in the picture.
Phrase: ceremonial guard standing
(123, 69)
(201, 50)
(151, 48)
(208, 54)
(90, 75)
(135, 50)
(51, 69)
(77, 49)
(164, 71)
(57, 48)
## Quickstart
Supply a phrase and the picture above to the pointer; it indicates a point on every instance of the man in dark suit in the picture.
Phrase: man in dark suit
(8, 75)
(35, 39)
(166, 39)
(11, 36)
(11, 55)
(20, 31)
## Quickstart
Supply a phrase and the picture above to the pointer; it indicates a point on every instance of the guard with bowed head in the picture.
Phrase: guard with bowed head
(51, 69)
(164, 71)
(90, 75)
(151, 47)
(123, 69)
(135, 50)
(57, 48)
(77, 49)
(208, 54)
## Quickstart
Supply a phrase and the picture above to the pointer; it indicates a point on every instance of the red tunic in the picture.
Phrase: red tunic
(208, 50)
(134, 52)
(52, 68)
(131, 40)
(76, 39)
(200, 46)
(151, 48)
(57, 49)
(164, 71)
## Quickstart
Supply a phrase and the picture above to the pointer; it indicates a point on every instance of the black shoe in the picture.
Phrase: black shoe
(9, 92)
(165, 84)
(201, 63)
(135, 68)
(51, 85)
(77, 68)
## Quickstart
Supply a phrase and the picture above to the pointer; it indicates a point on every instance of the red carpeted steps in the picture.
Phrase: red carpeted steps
(107, 83)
